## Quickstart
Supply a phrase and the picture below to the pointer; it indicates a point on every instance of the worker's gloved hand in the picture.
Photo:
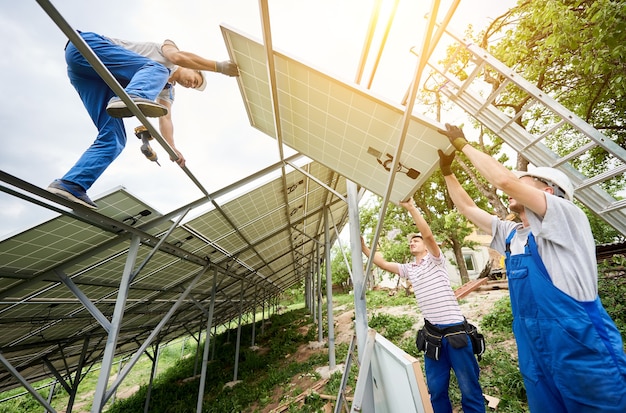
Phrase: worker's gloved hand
(227, 67)
(455, 135)
(445, 162)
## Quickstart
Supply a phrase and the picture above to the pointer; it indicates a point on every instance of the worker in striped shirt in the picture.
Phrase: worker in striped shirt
(443, 339)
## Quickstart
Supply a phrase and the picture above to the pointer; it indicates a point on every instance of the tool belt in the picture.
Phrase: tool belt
(430, 336)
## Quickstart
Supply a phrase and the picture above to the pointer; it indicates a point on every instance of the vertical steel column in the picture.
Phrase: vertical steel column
(320, 315)
(310, 294)
(237, 345)
(256, 289)
(116, 323)
(155, 363)
(214, 341)
(263, 317)
(182, 348)
(207, 341)
(329, 293)
(119, 369)
(78, 376)
(197, 356)
(360, 307)
(50, 394)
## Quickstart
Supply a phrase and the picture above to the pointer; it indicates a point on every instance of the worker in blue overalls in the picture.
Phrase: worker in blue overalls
(571, 354)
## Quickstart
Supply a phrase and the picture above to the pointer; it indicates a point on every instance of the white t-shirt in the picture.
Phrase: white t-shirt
(565, 243)
(152, 51)
(432, 289)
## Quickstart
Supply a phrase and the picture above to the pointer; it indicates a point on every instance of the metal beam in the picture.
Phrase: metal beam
(118, 313)
(152, 335)
(26, 384)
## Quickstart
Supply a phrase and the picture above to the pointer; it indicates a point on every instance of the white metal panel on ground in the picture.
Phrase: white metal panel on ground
(338, 124)
(398, 382)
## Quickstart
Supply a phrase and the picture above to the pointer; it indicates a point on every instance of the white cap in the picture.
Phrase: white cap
(553, 177)
(203, 84)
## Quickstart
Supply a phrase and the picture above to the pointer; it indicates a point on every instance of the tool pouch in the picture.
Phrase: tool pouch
(430, 344)
(458, 339)
(477, 339)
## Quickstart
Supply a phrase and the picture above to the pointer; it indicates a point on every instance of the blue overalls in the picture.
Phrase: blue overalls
(139, 76)
(570, 352)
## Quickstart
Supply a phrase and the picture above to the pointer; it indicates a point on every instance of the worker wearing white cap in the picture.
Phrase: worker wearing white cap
(148, 72)
(571, 354)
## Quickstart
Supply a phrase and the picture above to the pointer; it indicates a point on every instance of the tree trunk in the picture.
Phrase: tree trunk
(460, 261)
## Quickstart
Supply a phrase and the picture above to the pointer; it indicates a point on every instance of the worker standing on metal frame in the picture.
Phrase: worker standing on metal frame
(571, 354)
(148, 72)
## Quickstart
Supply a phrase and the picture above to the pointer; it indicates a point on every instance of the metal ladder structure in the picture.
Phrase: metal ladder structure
(546, 117)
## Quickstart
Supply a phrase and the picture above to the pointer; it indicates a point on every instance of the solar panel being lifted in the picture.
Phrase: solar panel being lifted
(340, 125)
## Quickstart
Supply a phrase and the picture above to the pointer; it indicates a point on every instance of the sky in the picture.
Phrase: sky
(45, 128)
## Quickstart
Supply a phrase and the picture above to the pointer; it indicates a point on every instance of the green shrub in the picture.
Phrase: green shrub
(500, 319)
(391, 327)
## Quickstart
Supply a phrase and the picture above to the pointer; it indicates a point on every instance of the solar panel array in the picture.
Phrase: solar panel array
(261, 243)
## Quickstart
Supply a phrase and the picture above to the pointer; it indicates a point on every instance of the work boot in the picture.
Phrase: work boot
(71, 191)
(118, 109)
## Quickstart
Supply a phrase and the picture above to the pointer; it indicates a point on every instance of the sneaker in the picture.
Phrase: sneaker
(71, 191)
(118, 109)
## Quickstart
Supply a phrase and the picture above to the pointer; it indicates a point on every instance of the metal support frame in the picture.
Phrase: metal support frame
(119, 369)
(25, 383)
(329, 293)
(197, 355)
(363, 389)
(51, 394)
(72, 387)
(93, 310)
(153, 371)
(151, 337)
(360, 307)
(320, 307)
(99, 398)
(205, 352)
(341, 393)
(256, 289)
(238, 343)
(263, 317)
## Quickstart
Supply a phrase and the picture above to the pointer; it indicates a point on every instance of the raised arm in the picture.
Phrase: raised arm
(497, 174)
(422, 227)
(196, 62)
(464, 203)
(379, 260)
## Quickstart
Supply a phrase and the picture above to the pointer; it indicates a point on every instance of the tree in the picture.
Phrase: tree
(575, 51)
(339, 270)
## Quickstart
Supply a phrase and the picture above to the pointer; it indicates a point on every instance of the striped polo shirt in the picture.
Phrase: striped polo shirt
(432, 289)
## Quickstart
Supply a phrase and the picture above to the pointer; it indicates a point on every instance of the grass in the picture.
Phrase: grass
(274, 374)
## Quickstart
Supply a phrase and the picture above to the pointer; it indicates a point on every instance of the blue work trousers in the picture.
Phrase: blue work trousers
(465, 366)
(140, 76)
(570, 352)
